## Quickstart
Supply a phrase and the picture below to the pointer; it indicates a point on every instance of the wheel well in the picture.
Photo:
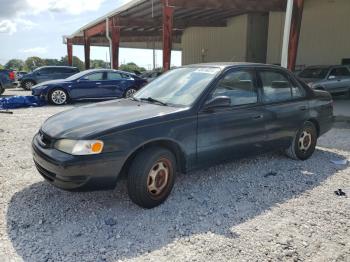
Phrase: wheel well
(170, 145)
(317, 125)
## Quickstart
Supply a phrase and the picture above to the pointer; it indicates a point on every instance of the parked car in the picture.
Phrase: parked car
(189, 118)
(7, 78)
(46, 73)
(334, 79)
(20, 74)
(151, 75)
(90, 84)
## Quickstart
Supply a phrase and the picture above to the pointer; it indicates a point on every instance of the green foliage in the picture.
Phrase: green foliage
(131, 67)
(98, 64)
(33, 62)
(15, 64)
(1, 66)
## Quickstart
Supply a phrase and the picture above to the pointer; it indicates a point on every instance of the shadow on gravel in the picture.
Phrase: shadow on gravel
(47, 224)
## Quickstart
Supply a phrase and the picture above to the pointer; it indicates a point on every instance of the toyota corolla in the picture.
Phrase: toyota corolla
(189, 118)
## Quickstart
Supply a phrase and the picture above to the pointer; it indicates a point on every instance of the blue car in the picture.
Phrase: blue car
(94, 84)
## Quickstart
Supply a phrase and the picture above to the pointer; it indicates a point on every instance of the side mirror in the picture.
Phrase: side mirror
(219, 101)
(38, 73)
(331, 77)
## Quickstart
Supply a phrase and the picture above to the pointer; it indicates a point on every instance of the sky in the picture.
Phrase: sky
(35, 28)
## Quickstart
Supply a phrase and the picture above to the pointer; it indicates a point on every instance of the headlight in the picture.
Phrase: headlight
(79, 147)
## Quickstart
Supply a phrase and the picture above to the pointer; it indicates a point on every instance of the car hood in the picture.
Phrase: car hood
(96, 119)
(53, 82)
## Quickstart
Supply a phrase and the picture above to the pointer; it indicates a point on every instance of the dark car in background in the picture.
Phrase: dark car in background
(151, 75)
(333, 79)
(46, 73)
(91, 84)
(189, 118)
(7, 78)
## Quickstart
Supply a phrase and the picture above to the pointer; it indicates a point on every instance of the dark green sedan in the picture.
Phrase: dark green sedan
(189, 118)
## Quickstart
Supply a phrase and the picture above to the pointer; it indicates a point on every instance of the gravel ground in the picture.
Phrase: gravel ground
(266, 208)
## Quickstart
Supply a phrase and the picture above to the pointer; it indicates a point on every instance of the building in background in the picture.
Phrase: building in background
(221, 30)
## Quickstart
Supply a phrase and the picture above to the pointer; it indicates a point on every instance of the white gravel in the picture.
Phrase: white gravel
(266, 208)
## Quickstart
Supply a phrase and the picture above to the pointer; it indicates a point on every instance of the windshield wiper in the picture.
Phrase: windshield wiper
(152, 100)
(135, 99)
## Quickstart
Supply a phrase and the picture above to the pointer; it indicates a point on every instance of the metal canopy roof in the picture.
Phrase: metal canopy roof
(141, 20)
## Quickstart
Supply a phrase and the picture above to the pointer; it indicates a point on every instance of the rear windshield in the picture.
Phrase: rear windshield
(314, 73)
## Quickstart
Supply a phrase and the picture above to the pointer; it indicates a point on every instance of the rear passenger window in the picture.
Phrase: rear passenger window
(239, 86)
(277, 87)
(340, 72)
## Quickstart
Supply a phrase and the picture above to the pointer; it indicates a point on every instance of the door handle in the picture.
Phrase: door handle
(303, 108)
(258, 117)
(98, 83)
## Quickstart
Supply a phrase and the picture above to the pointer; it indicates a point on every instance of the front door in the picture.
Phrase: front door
(235, 131)
(91, 86)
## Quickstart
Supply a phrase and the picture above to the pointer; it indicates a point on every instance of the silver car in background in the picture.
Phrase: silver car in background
(334, 79)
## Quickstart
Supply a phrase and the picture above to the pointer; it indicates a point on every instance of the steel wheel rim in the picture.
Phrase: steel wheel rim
(59, 97)
(305, 141)
(130, 92)
(158, 178)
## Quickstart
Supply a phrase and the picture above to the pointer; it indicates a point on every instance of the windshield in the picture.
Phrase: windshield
(180, 86)
(317, 73)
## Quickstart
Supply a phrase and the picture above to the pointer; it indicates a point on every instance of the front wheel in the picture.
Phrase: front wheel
(58, 97)
(304, 142)
(151, 177)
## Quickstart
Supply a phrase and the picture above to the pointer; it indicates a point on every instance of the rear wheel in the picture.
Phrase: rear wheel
(151, 177)
(27, 84)
(304, 142)
(130, 92)
(58, 97)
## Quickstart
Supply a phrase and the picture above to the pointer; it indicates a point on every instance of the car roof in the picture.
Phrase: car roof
(224, 65)
(106, 70)
(57, 67)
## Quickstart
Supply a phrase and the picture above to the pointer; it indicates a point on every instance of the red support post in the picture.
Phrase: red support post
(87, 51)
(297, 17)
(168, 14)
(70, 51)
(115, 44)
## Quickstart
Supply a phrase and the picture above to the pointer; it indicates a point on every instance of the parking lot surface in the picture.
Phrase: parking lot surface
(265, 208)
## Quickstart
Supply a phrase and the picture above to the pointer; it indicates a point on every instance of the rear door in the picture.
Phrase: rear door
(285, 103)
(338, 80)
(235, 131)
(117, 83)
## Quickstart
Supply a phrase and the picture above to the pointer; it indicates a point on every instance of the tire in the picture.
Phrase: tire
(151, 177)
(58, 97)
(304, 142)
(27, 84)
(130, 92)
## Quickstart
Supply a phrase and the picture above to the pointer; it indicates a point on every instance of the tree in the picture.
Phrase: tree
(131, 67)
(33, 62)
(51, 62)
(76, 62)
(98, 64)
(15, 64)
(1, 66)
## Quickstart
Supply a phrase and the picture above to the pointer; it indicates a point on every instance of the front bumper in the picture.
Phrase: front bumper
(77, 173)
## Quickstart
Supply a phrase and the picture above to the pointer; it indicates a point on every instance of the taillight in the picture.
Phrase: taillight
(12, 75)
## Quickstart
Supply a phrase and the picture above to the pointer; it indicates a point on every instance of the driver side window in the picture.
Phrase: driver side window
(94, 77)
(239, 87)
